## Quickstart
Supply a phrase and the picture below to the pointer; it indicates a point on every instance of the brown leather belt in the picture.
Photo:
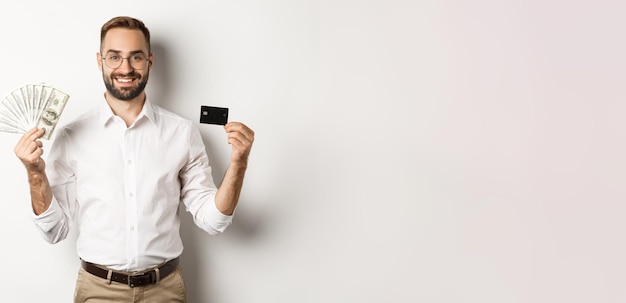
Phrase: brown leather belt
(151, 276)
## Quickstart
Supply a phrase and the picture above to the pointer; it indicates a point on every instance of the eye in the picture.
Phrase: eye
(137, 58)
(113, 57)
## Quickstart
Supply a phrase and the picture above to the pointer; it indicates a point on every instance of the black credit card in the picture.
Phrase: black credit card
(213, 115)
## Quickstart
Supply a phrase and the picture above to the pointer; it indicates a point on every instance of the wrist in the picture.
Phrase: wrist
(239, 164)
(35, 175)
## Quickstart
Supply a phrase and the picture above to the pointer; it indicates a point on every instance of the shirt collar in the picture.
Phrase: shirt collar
(106, 113)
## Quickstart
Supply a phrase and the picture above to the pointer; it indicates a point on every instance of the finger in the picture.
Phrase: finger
(233, 127)
(235, 142)
(240, 150)
(37, 134)
(33, 147)
(239, 137)
(26, 136)
(31, 136)
(37, 153)
(31, 153)
(38, 147)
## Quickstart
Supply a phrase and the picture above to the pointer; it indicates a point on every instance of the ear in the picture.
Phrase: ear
(99, 59)
(150, 60)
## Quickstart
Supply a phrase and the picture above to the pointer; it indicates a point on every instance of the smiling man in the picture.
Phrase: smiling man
(120, 172)
(125, 60)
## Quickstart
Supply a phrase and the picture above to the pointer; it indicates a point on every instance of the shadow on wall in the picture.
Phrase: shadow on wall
(198, 254)
(160, 83)
(160, 88)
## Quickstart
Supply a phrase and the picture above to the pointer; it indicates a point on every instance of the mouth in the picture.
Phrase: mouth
(125, 80)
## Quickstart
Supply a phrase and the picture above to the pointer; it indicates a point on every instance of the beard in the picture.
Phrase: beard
(125, 93)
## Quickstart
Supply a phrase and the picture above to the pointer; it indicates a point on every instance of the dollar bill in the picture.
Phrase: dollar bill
(51, 113)
(27, 95)
(11, 115)
(20, 106)
(33, 105)
(8, 125)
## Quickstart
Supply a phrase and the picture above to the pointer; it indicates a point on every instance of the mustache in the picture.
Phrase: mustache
(131, 74)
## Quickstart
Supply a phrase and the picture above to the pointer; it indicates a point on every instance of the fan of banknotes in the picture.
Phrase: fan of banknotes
(32, 105)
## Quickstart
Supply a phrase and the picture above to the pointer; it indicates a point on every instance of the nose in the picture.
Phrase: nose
(125, 65)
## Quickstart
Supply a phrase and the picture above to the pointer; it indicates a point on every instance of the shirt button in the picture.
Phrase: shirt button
(131, 195)
(132, 228)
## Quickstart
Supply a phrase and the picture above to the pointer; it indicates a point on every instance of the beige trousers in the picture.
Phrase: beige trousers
(92, 289)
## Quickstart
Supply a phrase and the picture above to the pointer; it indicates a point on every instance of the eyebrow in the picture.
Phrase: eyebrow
(119, 51)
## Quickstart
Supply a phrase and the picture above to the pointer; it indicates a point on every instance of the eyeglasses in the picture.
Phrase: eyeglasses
(137, 61)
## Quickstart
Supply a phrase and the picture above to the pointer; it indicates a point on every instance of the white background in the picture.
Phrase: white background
(406, 151)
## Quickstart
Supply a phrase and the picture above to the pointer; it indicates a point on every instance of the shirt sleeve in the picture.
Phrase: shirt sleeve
(198, 189)
(55, 223)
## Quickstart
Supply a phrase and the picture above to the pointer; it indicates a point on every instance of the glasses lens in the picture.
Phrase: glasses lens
(137, 61)
(113, 61)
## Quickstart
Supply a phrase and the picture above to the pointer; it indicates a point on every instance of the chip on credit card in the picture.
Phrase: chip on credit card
(213, 115)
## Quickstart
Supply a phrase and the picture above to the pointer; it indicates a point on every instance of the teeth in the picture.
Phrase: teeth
(125, 80)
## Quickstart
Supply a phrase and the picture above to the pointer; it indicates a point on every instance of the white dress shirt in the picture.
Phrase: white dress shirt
(122, 186)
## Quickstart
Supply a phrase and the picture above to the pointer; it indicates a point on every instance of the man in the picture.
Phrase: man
(120, 172)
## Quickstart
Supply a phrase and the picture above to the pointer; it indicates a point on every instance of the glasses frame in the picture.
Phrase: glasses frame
(122, 61)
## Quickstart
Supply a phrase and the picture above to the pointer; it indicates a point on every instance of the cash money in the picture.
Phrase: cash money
(32, 105)
(11, 117)
(51, 114)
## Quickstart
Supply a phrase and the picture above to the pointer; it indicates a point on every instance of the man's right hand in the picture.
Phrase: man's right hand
(29, 150)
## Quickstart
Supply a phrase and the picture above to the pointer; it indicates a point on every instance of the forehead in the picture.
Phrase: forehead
(124, 40)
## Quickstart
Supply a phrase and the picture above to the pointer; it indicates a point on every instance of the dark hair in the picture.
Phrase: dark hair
(125, 22)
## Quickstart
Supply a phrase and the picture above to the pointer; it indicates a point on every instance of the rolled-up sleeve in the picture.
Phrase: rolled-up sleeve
(55, 223)
(198, 189)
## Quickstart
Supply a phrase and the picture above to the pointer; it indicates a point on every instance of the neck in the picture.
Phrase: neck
(128, 110)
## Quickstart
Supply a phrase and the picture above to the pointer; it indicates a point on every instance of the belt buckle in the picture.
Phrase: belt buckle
(131, 282)
(137, 280)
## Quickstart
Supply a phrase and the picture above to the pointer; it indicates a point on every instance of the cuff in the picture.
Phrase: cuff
(49, 218)
(218, 220)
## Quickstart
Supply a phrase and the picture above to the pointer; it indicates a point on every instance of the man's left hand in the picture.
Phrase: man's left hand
(240, 137)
